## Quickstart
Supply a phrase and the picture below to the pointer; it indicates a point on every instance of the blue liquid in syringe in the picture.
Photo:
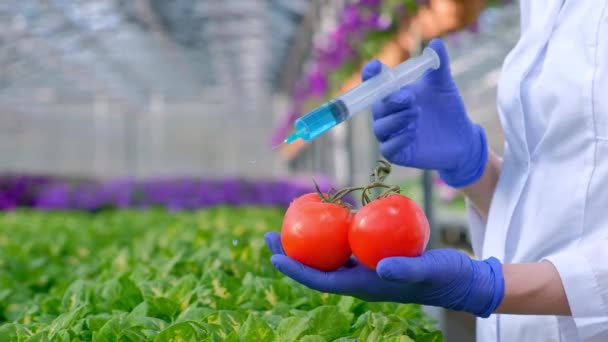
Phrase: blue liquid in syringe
(319, 121)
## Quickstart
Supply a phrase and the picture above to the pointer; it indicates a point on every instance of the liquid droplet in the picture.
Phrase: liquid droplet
(235, 242)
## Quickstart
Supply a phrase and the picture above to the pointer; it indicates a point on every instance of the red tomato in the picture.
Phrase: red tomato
(316, 233)
(387, 227)
(312, 197)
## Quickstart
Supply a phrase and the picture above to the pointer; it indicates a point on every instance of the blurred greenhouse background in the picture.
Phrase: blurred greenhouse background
(152, 87)
(183, 103)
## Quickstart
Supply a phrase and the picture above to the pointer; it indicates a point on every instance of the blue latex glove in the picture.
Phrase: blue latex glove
(441, 277)
(425, 125)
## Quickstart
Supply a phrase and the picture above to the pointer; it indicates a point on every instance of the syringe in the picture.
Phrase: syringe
(363, 96)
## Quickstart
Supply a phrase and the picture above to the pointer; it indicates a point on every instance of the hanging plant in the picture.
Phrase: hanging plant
(363, 28)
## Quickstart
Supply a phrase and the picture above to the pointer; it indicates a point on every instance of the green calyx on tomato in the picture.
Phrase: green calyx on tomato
(320, 231)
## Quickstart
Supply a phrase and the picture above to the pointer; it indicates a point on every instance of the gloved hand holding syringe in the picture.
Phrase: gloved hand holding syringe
(363, 96)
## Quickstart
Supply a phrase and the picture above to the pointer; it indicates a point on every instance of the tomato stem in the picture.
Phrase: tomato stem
(337, 196)
(378, 176)
(380, 173)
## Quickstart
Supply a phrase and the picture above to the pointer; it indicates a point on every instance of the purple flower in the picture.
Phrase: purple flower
(210, 193)
(117, 193)
(351, 18)
(370, 2)
(173, 194)
(87, 196)
(56, 196)
(383, 23)
(230, 191)
(317, 82)
(371, 21)
(338, 35)
(332, 56)
(6, 203)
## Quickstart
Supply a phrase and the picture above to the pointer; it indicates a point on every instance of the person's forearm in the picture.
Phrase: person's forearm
(533, 289)
(480, 193)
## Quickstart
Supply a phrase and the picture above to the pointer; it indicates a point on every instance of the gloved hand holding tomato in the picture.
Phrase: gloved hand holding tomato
(321, 232)
(386, 238)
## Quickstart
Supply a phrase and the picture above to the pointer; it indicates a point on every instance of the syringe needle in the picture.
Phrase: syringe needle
(277, 146)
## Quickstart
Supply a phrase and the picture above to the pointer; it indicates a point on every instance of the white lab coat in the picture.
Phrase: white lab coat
(551, 201)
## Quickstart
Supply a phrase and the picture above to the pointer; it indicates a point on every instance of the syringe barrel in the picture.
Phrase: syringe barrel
(363, 96)
(388, 81)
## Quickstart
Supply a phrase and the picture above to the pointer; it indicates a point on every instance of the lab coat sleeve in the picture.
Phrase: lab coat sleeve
(477, 228)
(584, 273)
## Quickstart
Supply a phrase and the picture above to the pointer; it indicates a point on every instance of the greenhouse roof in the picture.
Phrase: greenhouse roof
(60, 51)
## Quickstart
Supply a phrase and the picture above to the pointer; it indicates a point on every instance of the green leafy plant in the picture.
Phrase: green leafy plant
(159, 276)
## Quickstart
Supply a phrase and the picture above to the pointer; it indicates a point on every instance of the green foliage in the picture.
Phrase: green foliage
(158, 276)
